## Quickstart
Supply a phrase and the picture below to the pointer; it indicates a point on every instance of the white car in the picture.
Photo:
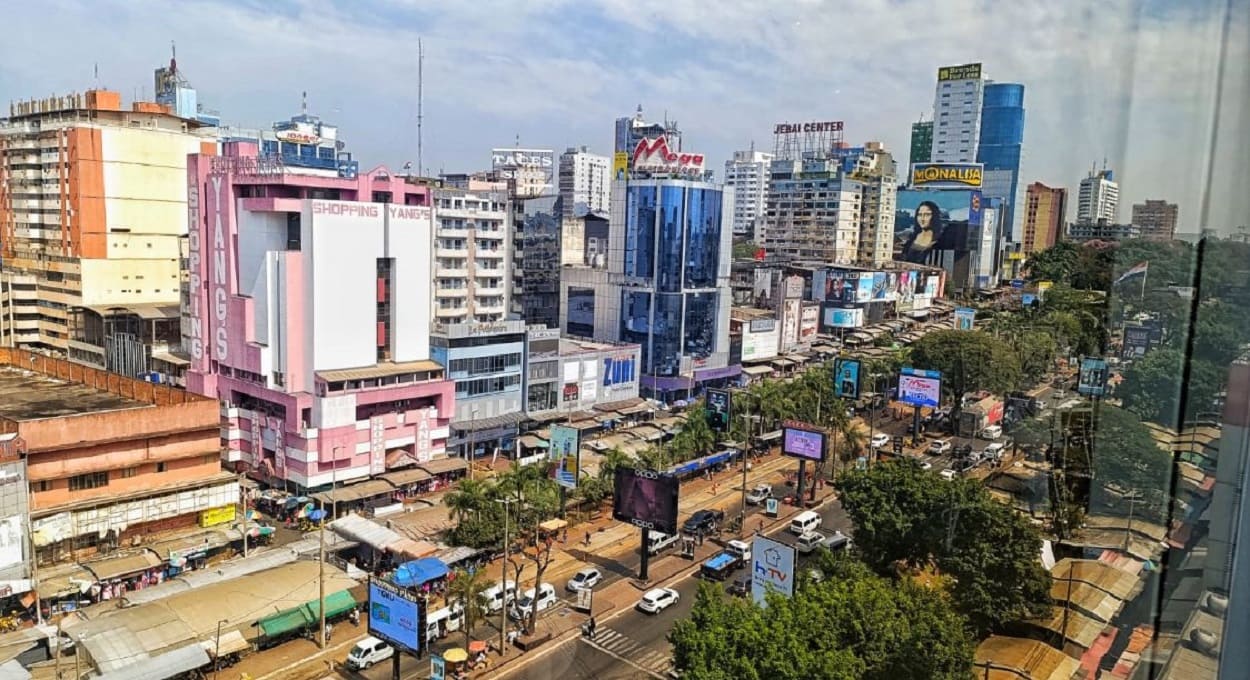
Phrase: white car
(878, 440)
(585, 579)
(657, 600)
(760, 493)
(926, 465)
(940, 446)
(948, 475)
(995, 450)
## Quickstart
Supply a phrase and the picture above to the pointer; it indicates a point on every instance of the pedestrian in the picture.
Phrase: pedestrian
(715, 487)
(592, 626)
(760, 528)
(564, 538)
(587, 538)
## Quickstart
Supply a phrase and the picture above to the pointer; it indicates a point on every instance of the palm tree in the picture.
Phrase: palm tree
(613, 459)
(468, 499)
(469, 589)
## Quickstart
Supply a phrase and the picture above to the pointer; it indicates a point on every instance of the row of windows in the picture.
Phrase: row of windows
(491, 364)
(483, 386)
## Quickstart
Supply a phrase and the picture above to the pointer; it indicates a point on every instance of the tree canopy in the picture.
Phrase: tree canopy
(969, 361)
(854, 624)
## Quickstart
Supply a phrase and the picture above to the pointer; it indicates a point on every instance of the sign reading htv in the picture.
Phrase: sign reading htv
(772, 569)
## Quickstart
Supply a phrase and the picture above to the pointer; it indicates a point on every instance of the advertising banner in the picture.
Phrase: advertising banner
(965, 318)
(565, 451)
(846, 378)
(377, 446)
(620, 165)
(946, 175)
(395, 616)
(863, 287)
(927, 222)
(960, 72)
(920, 388)
(718, 410)
(758, 345)
(836, 317)
(827, 285)
(646, 499)
(11, 541)
(214, 516)
(791, 314)
(1093, 378)
(1137, 341)
(931, 287)
(772, 568)
(878, 285)
(438, 668)
(807, 444)
(809, 322)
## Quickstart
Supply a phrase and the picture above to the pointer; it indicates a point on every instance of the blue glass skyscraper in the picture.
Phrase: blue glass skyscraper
(1002, 135)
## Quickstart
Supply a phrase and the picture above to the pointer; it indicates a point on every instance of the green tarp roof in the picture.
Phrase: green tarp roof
(290, 620)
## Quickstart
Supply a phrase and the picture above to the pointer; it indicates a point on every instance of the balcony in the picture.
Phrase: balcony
(451, 292)
(488, 291)
(445, 312)
(448, 273)
(451, 252)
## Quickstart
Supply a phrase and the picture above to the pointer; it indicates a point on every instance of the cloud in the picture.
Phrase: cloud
(1130, 81)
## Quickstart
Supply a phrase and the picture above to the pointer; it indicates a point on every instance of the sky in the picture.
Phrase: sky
(1131, 81)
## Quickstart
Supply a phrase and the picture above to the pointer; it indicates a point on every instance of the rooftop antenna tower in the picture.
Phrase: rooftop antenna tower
(303, 104)
(420, 78)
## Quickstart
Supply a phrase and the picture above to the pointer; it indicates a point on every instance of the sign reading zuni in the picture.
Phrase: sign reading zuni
(652, 155)
(823, 126)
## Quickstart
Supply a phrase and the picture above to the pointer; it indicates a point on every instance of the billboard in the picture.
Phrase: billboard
(809, 322)
(960, 72)
(718, 410)
(965, 318)
(929, 222)
(863, 287)
(395, 616)
(791, 315)
(532, 169)
(653, 155)
(772, 568)
(1093, 378)
(620, 165)
(1137, 341)
(836, 317)
(846, 378)
(565, 451)
(946, 175)
(919, 388)
(645, 498)
(760, 340)
(806, 444)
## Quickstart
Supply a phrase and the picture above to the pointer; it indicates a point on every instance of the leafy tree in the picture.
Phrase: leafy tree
(908, 516)
(696, 437)
(1054, 264)
(1152, 386)
(744, 250)
(969, 361)
(467, 499)
(613, 459)
(852, 625)
(482, 530)
(469, 589)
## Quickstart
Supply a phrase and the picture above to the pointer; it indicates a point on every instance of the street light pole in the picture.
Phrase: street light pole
(746, 449)
(217, 650)
(503, 582)
(321, 545)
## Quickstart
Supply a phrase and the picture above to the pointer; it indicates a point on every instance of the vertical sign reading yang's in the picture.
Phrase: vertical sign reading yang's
(208, 232)
(377, 445)
(219, 221)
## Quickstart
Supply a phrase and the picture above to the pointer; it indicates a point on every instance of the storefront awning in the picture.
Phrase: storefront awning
(529, 441)
(647, 432)
(168, 665)
(406, 476)
(782, 362)
(617, 406)
(124, 565)
(361, 530)
(413, 548)
(230, 643)
(418, 572)
(644, 407)
(757, 370)
(188, 546)
(355, 492)
(440, 466)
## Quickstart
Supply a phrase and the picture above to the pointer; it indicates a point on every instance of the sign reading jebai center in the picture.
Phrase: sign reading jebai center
(653, 155)
(795, 128)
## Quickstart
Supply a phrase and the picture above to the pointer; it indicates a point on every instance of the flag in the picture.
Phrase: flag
(1134, 271)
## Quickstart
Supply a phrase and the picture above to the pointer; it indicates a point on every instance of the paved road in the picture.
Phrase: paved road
(634, 644)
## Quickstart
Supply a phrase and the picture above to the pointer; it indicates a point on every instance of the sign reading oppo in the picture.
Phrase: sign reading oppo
(653, 155)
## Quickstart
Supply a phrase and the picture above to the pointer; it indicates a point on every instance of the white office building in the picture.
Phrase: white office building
(747, 173)
(585, 182)
(1098, 199)
(957, 114)
(472, 282)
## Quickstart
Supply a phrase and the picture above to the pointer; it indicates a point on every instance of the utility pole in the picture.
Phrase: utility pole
(420, 83)
(321, 546)
(217, 650)
(503, 582)
(746, 449)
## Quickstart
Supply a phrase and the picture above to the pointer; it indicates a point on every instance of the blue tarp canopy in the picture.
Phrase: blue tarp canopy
(690, 467)
(418, 572)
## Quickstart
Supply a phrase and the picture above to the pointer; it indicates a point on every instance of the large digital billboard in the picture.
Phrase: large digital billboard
(920, 388)
(806, 444)
(846, 378)
(565, 451)
(1092, 381)
(645, 498)
(718, 413)
(929, 222)
(395, 616)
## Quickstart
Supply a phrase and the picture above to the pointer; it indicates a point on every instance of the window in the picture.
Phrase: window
(41, 485)
(91, 480)
(130, 471)
(160, 467)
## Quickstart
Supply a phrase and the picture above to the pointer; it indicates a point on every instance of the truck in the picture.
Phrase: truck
(721, 565)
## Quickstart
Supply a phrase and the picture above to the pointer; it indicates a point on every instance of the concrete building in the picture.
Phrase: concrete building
(1045, 209)
(543, 233)
(632, 130)
(486, 361)
(1156, 219)
(921, 143)
(813, 211)
(472, 248)
(998, 150)
(877, 174)
(92, 211)
(1227, 566)
(567, 375)
(1098, 198)
(585, 182)
(747, 172)
(109, 460)
(1102, 230)
(307, 315)
(957, 104)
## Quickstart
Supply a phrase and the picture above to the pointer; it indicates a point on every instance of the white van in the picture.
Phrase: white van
(368, 652)
(499, 596)
(657, 541)
(443, 621)
(544, 597)
(804, 522)
(992, 432)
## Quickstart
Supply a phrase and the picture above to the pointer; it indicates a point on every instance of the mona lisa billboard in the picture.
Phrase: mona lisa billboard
(928, 222)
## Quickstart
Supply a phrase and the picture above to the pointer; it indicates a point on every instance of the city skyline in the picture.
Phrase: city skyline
(556, 73)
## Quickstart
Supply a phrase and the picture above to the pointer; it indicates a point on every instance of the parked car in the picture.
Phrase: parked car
(657, 600)
(542, 598)
(995, 450)
(586, 578)
(880, 439)
(703, 522)
(658, 541)
(367, 652)
(741, 585)
(940, 446)
(926, 465)
(948, 474)
(760, 493)
(992, 432)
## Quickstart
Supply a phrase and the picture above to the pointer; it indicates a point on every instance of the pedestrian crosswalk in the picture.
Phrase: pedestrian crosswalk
(655, 662)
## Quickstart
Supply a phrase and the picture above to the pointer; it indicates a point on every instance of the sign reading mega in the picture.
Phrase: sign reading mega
(960, 72)
(821, 126)
(653, 155)
(953, 175)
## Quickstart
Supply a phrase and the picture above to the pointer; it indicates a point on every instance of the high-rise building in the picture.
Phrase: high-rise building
(957, 114)
(921, 143)
(1045, 209)
(526, 174)
(93, 215)
(472, 244)
(486, 361)
(664, 283)
(1227, 565)
(307, 314)
(585, 182)
(1156, 218)
(630, 131)
(1098, 198)
(747, 173)
(813, 211)
(877, 174)
(1001, 138)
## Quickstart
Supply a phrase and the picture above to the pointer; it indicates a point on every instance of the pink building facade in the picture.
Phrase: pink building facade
(307, 314)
